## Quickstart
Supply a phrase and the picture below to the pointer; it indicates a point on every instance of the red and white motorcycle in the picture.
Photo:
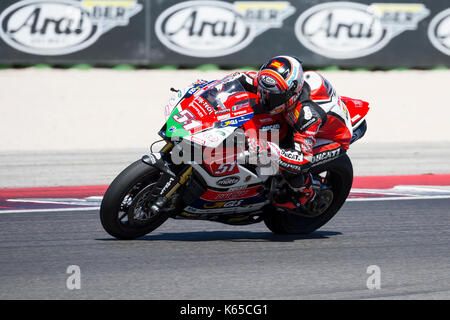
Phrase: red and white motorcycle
(196, 175)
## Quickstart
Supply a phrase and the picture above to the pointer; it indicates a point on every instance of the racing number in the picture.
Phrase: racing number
(186, 117)
(225, 167)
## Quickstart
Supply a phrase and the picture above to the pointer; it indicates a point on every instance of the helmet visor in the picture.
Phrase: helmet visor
(271, 99)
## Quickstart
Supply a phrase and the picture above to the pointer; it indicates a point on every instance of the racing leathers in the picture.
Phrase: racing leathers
(320, 125)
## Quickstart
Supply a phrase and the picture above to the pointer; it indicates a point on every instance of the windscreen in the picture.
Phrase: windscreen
(221, 95)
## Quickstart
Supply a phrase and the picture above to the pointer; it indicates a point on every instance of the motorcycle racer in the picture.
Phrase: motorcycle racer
(319, 120)
(206, 169)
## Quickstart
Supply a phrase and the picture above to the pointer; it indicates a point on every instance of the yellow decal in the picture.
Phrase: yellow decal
(108, 3)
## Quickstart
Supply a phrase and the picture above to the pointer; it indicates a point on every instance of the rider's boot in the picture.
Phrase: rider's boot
(302, 192)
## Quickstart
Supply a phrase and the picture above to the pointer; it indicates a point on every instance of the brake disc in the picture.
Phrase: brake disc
(320, 204)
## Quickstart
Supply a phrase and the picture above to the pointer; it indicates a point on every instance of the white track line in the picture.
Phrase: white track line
(49, 210)
(348, 200)
(400, 198)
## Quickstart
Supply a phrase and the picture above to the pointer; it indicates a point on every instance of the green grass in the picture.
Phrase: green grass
(207, 67)
(167, 67)
(82, 66)
(124, 67)
(42, 66)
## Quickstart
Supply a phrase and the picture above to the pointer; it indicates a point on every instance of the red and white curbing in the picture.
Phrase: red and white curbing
(85, 198)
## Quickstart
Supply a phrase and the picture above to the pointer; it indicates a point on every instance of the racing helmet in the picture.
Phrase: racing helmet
(280, 81)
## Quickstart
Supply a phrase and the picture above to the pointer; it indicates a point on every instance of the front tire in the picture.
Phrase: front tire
(339, 175)
(123, 196)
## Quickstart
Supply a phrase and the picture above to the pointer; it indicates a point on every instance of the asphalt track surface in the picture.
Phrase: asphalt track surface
(408, 240)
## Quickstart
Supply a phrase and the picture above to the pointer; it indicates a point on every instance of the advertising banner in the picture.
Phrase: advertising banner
(359, 33)
(73, 31)
(321, 33)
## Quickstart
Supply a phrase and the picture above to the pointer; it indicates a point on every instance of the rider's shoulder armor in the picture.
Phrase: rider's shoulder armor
(322, 92)
(321, 88)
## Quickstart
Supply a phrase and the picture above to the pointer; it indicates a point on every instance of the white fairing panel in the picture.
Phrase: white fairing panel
(211, 138)
(239, 180)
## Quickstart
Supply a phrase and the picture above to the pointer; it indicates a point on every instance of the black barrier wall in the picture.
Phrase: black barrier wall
(228, 33)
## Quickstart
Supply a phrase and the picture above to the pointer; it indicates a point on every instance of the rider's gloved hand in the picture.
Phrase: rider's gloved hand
(262, 152)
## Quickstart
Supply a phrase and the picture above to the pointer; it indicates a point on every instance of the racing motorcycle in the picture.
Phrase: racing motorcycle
(221, 186)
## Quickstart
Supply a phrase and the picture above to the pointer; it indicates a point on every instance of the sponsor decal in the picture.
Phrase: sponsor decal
(265, 120)
(346, 30)
(210, 137)
(238, 113)
(154, 157)
(167, 185)
(224, 117)
(51, 27)
(197, 140)
(197, 86)
(223, 204)
(308, 113)
(191, 92)
(236, 122)
(270, 127)
(205, 104)
(326, 155)
(269, 81)
(199, 111)
(218, 28)
(439, 31)
(228, 181)
(221, 133)
(355, 118)
(221, 111)
(287, 165)
(307, 125)
(292, 155)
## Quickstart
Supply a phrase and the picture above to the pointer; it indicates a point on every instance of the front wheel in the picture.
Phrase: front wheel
(125, 210)
(338, 176)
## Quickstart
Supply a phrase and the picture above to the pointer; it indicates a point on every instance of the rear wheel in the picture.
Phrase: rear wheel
(125, 210)
(337, 175)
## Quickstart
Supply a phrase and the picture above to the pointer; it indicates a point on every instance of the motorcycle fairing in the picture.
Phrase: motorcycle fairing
(357, 109)
(219, 104)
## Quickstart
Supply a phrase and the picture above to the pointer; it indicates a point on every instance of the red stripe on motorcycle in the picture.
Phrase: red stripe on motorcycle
(211, 195)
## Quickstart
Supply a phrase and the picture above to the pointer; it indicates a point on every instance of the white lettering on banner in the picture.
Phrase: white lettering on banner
(217, 28)
(439, 31)
(345, 30)
(50, 27)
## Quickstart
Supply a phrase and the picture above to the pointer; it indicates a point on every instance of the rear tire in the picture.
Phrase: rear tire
(129, 182)
(340, 177)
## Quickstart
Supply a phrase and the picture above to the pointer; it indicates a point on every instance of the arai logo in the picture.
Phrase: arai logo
(439, 31)
(345, 30)
(58, 27)
(217, 28)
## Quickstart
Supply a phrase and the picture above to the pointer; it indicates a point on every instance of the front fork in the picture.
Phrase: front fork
(169, 182)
